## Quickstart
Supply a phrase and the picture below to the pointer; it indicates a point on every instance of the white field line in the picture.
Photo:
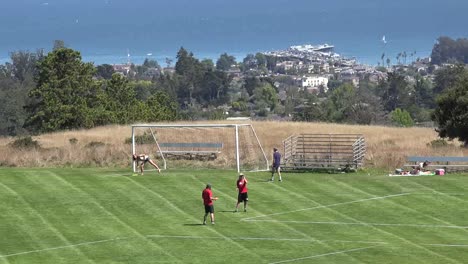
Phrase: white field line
(446, 245)
(376, 243)
(322, 255)
(360, 223)
(267, 239)
(62, 247)
(189, 237)
(327, 206)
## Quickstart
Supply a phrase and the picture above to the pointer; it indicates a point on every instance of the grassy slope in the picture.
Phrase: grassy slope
(387, 147)
(107, 216)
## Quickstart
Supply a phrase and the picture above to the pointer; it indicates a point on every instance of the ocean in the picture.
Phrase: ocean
(106, 31)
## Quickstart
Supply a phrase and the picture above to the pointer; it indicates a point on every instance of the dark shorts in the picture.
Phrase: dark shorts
(209, 209)
(242, 197)
(275, 168)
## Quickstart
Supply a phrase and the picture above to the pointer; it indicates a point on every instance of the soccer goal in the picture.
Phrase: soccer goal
(227, 146)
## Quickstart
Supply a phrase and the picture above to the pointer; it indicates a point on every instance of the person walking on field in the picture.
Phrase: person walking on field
(208, 199)
(242, 196)
(276, 165)
(143, 158)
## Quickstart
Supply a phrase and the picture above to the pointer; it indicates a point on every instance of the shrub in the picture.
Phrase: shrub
(401, 118)
(95, 144)
(438, 143)
(73, 141)
(25, 143)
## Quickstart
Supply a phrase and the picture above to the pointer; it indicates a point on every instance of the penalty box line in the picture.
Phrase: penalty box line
(326, 206)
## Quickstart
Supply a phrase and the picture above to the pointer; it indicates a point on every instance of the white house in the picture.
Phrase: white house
(314, 81)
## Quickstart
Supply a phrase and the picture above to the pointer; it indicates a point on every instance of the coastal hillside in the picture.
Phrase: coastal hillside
(387, 147)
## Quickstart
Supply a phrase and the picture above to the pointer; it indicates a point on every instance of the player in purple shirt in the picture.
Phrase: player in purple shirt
(276, 164)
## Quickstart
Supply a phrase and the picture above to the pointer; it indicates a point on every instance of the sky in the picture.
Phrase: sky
(110, 27)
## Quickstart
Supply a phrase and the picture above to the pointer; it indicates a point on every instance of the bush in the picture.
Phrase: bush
(73, 141)
(438, 143)
(401, 118)
(25, 143)
(95, 144)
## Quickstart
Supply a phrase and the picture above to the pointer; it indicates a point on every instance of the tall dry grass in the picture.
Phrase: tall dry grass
(387, 147)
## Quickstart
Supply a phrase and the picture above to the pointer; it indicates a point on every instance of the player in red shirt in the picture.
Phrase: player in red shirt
(208, 199)
(242, 196)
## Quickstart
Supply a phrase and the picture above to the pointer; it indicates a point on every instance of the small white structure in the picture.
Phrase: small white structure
(314, 81)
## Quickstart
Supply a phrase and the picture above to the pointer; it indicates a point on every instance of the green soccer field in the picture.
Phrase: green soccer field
(109, 216)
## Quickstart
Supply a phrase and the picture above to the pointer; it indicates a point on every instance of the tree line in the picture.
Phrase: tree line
(448, 50)
(56, 91)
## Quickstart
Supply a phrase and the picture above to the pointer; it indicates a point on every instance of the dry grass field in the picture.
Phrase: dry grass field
(387, 147)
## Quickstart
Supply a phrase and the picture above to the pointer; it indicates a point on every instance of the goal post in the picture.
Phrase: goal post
(227, 146)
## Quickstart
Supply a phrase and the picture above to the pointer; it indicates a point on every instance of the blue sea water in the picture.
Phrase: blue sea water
(105, 31)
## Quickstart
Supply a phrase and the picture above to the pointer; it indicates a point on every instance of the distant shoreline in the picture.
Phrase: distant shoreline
(161, 59)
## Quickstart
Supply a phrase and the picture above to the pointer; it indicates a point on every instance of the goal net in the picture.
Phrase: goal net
(226, 146)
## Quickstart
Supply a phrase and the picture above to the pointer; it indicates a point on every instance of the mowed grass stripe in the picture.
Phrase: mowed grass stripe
(136, 201)
(415, 212)
(285, 187)
(234, 200)
(43, 219)
(376, 227)
(117, 215)
(16, 224)
(398, 233)
(181, 211)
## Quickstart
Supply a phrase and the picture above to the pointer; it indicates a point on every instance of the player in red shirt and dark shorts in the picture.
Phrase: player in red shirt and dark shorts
(242, 196)
(208, 199)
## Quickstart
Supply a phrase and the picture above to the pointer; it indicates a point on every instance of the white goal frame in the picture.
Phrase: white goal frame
(236, 135)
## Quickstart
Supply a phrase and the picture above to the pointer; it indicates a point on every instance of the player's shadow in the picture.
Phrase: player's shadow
(193, 224)
(227, 211)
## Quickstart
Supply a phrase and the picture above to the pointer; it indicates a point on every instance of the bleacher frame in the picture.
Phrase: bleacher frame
(336, 152)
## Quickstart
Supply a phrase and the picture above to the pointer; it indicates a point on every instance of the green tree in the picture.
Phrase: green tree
(191, 73)
(161, 107)
(249, 62)
(59, 44)
(451, 113)
(342, 99)
(261, 60)
(448, 50)
(225, 62)
(394, 92)
(447, 77)
(24, 64)
(104, 71)
(65, 89)
(120, 100)
(207, 65)
(423, 95)
(401, 118)
(265, 96)
(150, 63)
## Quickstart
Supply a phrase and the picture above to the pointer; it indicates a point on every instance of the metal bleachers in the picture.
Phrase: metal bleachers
(323, 151)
